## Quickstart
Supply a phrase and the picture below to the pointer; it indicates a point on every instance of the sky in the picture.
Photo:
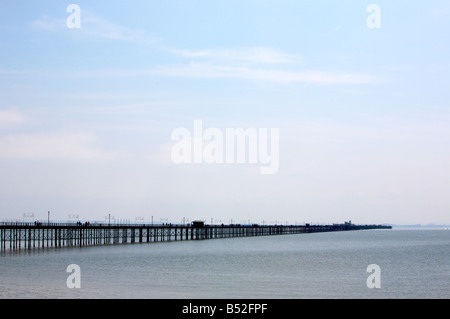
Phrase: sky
(358, 91)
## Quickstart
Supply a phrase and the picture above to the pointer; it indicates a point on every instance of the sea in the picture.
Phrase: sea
(368, 264)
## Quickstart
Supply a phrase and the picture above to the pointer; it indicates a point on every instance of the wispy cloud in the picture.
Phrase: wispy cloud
(244, 63)
(11, 117)
(93, 27)
(53, 145)
(47, 23)
(250, 55)
(255, 64)
(210, 71)
(98, 27)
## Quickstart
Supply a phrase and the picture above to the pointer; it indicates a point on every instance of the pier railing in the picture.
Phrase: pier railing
(32, 235)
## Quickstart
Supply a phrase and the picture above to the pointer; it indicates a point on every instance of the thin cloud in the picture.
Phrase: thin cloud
(254, 64)
(11, 117)
(49, 24)
(54, 145)
(251, 63)
(208, 71)
(93, 27)
(251, 55)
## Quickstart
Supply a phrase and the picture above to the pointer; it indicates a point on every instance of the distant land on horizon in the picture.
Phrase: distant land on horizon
(420, 225)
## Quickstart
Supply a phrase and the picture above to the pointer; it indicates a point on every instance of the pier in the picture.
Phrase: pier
(22, 235)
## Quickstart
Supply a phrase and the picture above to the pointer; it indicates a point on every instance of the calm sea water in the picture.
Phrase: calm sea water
(413, 264)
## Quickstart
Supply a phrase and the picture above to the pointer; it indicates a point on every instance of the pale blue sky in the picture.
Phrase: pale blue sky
(86, 114)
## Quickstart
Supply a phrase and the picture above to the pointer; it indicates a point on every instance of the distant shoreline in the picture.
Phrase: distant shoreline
(420, 226)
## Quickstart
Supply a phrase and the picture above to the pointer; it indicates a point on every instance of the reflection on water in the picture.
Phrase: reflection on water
(413, 264)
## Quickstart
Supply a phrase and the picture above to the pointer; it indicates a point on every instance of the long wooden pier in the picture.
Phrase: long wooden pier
(20, 235)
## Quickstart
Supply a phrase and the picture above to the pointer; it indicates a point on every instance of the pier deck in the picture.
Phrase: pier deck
(22, 235)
